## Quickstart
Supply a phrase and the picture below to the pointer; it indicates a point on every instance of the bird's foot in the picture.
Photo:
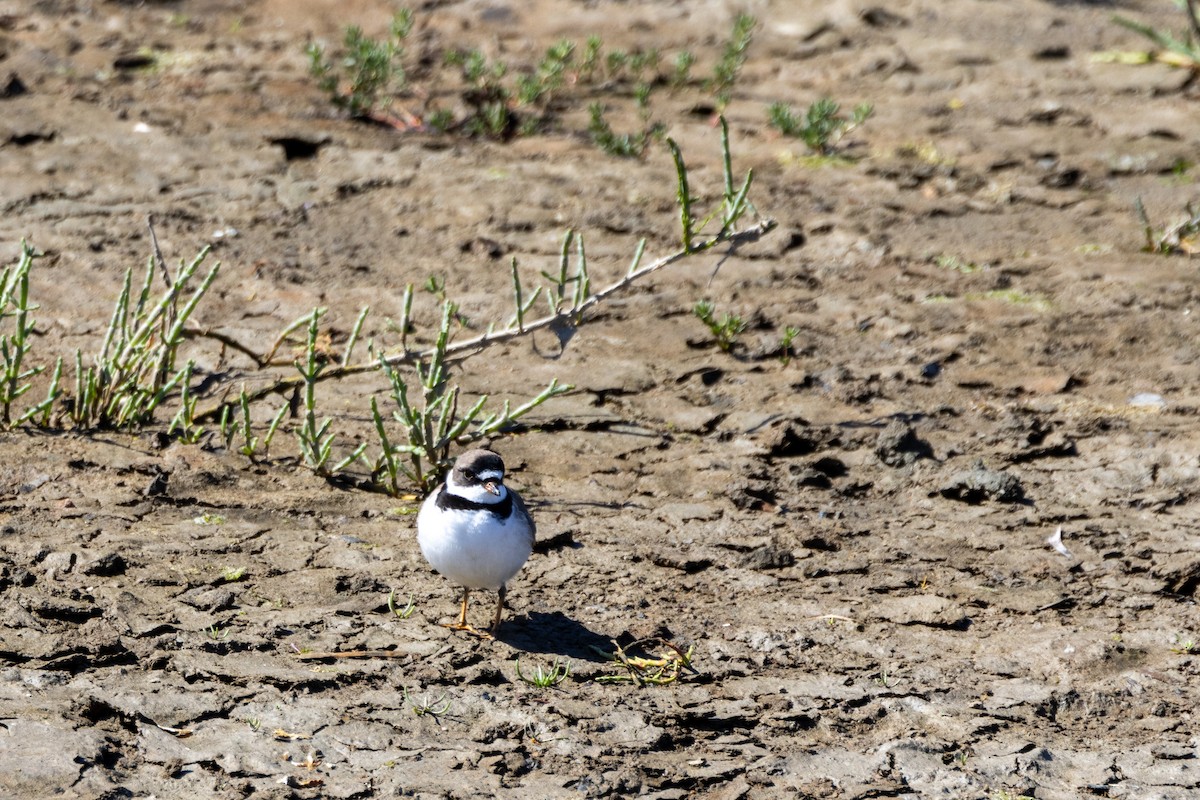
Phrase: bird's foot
(466, 627)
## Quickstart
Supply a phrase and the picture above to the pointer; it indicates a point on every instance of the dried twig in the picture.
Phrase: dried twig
(467, 347)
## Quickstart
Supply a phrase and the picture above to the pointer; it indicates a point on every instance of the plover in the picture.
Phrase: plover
(476, 531)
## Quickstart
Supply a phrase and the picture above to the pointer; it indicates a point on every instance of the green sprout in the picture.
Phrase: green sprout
(489, 96)
(1183, 646)
(366, 70)
(184, 419)
(624, 145)
(725, 330)
(15, 377)
(316, 439)
(402, 613)
(786, 344)
(822, 126)
(539, 738)
(230, 427)
(233, 574)
(886, 679)
(545, 678)
(681, 69)
(591, 58)
(549, 75)
(135, 372)
(423, 706)
(733, 58)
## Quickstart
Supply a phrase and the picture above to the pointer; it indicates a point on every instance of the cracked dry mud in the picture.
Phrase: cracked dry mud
(854, 542)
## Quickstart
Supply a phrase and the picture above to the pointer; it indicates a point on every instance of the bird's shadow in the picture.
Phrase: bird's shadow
(555, 634)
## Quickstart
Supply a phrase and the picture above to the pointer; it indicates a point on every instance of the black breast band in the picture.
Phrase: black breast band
(447, 501)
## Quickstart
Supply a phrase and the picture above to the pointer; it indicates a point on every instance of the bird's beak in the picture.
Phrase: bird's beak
(493, 487)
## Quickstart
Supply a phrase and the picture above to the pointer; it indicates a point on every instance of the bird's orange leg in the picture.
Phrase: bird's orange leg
(461, 623)
(499, 609)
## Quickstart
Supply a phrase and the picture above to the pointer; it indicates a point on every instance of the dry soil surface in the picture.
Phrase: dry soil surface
(853, 542)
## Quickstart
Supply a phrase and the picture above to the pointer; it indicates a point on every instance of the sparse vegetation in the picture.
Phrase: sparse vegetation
(544, 678)
(733, 58)
(728, 501)
(822, 126)
(135, 373)
(1182, 238)
(367, 72)
(473, 94)
(1015, 297)
(786, 344)
(724, 329)
(425, 705)
(638, 667)
(15, 378)
(402, 613)
(1171, 49)
(957, 264)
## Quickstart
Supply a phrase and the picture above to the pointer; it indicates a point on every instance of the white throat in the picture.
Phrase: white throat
(478, 494)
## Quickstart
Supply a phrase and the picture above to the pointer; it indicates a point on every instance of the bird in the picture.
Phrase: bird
(476, 531)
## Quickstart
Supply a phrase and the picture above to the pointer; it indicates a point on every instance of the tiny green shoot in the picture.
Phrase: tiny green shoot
(544, 678)
(724, 329)
(786, 344)
(822, 126)
(733, 58)
(402, 613)
(426, 706)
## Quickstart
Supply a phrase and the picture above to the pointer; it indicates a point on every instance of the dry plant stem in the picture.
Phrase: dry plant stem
(469, 346)
(233, 344)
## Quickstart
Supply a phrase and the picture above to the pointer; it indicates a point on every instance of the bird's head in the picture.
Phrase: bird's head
(479, 475)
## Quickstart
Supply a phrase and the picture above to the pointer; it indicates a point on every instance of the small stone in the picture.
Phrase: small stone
(106, 566)
(769, 556)
(899, 446)
(980, 483)
(58, 563)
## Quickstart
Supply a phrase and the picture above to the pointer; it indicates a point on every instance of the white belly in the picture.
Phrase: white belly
(472, 548)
